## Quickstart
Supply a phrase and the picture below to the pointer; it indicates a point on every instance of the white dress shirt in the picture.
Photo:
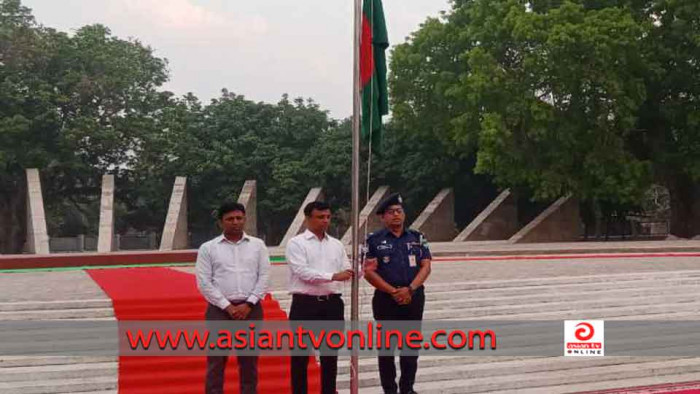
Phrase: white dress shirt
(312, 263)
(233, 271)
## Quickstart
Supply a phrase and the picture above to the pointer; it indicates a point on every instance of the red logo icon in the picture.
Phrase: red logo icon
(584, 338)
(584, 333)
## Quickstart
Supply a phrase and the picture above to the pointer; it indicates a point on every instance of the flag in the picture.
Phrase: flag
(375, 95)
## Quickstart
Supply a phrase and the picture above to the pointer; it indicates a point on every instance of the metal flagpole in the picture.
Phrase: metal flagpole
(355, 221)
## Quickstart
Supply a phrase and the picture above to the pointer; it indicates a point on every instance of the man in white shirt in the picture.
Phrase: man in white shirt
(232, 275)
(317, 264)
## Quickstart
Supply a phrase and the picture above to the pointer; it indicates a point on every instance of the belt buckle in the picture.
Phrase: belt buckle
(323, 298)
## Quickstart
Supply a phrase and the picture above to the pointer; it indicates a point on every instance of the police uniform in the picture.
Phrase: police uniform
(398, 263)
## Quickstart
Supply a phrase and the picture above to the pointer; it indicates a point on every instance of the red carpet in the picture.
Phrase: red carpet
(167, 294)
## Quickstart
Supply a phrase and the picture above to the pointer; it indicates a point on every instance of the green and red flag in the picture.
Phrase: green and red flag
(373, 46)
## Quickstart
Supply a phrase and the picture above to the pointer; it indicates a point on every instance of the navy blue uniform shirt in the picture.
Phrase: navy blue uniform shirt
(398, 259)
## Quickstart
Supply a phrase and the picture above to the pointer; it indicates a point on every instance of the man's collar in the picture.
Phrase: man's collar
(222, 238)
(387, 231)
(309, 235)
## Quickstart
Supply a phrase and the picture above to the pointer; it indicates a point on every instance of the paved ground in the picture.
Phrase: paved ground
(614, 288)
(444, 271)
(495, 248)
(48, 286)
(76, 285)
(504, 247)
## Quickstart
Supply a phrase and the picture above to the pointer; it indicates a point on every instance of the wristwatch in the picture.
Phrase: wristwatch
(250, 304)
(411, 289)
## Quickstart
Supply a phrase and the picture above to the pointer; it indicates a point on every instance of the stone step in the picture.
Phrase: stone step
(653, 295)
(553, 302)
(54, 305)
(38, 385)
(483, 290)
(625, 308)
(614, 384)
(79, 313)
(677, 341)
(368, 364)
(539, 294)
(501, 368)
(56, 372)
(580, 304)
(30, 361)
(544, 295)
(476, 379)
(100, 392)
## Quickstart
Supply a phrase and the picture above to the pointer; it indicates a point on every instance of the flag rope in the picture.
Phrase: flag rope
(364, 292)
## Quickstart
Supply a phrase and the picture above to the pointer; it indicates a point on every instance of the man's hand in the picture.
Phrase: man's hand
(402, 295)
(370, 265)
(342, 276)
(238, 312)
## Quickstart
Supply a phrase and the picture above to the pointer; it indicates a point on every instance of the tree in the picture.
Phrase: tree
(594, 98)
(17, 41)
(669, 119)
(74, 106)
(421, 154)
(221, 145)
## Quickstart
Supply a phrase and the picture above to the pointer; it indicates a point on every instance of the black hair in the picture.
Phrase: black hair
(317, 205)
(229, 207)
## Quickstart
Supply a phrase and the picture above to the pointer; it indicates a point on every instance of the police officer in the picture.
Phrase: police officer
(397, 265)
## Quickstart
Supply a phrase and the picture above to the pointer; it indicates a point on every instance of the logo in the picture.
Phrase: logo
(386, 259)
(584, 338)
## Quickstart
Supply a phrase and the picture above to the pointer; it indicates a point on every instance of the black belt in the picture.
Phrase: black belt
(327, 297)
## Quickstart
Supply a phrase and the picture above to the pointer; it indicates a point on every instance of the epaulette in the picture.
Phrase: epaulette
(415, 232)
(421, 238)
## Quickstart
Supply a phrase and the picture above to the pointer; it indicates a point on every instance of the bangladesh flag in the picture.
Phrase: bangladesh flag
(375, 95)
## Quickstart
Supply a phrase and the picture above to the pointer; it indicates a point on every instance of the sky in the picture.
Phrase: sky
(260, 49)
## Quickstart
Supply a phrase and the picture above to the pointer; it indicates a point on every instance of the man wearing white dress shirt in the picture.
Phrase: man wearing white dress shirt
(317, 264)
(232, 275)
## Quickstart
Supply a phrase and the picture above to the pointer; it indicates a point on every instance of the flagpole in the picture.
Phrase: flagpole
(355, 178)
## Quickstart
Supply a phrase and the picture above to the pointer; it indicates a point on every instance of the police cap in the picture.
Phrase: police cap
(393, 199)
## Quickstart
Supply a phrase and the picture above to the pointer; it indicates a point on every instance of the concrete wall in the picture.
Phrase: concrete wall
(175, 230)
(499, 221)
(248, 198)
(436, 221)
(105, 239)
(37, 235)
(367, 217)
(561, 222)
(298, 224)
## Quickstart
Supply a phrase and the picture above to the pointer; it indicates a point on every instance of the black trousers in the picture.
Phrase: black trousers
(385, 308)
(312, 308)
(247, 365)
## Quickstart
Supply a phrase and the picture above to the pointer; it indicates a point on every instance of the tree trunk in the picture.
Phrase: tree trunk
(684, 208)
(13, 220)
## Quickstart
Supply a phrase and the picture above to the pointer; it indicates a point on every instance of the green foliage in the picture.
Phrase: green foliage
(287, 148)
(597, 98)
(545, 99)
(74, 106)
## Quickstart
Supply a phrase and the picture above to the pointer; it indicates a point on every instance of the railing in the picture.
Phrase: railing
(82, 243)
(632, 227)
